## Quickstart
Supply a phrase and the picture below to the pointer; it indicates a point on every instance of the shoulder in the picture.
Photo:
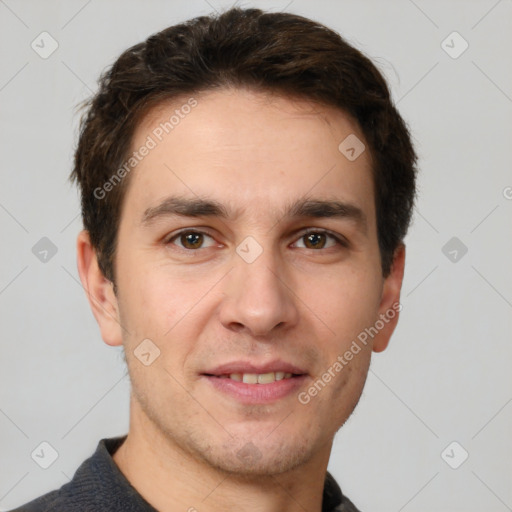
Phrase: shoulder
(51, 502)
(93, 486)
(346, 506)
(333, 499)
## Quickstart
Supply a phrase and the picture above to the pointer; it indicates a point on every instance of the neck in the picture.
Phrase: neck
(171, 479)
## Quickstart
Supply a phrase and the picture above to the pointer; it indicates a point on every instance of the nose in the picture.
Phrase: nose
(258, 297)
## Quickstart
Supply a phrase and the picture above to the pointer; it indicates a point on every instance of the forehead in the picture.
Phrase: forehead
(249, 149)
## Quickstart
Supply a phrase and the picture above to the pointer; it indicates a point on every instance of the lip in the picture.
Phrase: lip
(256, 393)
(250, 367)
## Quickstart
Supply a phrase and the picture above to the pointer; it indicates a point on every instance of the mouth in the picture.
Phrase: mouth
(250, 384)
(256, 378)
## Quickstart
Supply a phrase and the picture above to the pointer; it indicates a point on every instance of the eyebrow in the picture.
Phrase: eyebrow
(309, 208)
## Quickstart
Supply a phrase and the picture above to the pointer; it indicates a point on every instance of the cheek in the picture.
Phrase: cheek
(167, 308)
(150, 296)
(346, 302)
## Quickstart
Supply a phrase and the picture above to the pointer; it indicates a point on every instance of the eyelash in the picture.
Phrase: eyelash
(339, 240)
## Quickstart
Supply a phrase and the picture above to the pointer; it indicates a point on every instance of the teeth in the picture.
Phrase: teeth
(266, 378)
(250, 378)
(258, 378)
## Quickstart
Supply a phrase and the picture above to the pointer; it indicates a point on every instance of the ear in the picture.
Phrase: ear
(390, 306)
(99, 290)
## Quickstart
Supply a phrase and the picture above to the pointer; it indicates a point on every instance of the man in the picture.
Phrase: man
(246, 188)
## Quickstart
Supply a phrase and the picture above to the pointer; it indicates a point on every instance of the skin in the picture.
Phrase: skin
(305, 304)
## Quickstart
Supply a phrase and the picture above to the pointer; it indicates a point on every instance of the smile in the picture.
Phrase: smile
(253, 388)
(256, 378)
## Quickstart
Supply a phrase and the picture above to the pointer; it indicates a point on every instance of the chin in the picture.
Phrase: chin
(259, 458)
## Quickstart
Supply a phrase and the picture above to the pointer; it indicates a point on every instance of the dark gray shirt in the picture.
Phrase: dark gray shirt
(99, 486)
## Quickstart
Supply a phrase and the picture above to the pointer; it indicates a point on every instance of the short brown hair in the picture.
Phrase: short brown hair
(275, 52)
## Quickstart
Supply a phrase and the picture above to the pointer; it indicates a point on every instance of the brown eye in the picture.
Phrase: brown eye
(315, 240)
(191, 240)
(319, 239)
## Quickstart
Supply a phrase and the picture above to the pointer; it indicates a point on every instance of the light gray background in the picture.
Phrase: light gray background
(446, 375)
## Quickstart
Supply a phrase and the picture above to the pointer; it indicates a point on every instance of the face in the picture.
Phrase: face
(248, 245)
